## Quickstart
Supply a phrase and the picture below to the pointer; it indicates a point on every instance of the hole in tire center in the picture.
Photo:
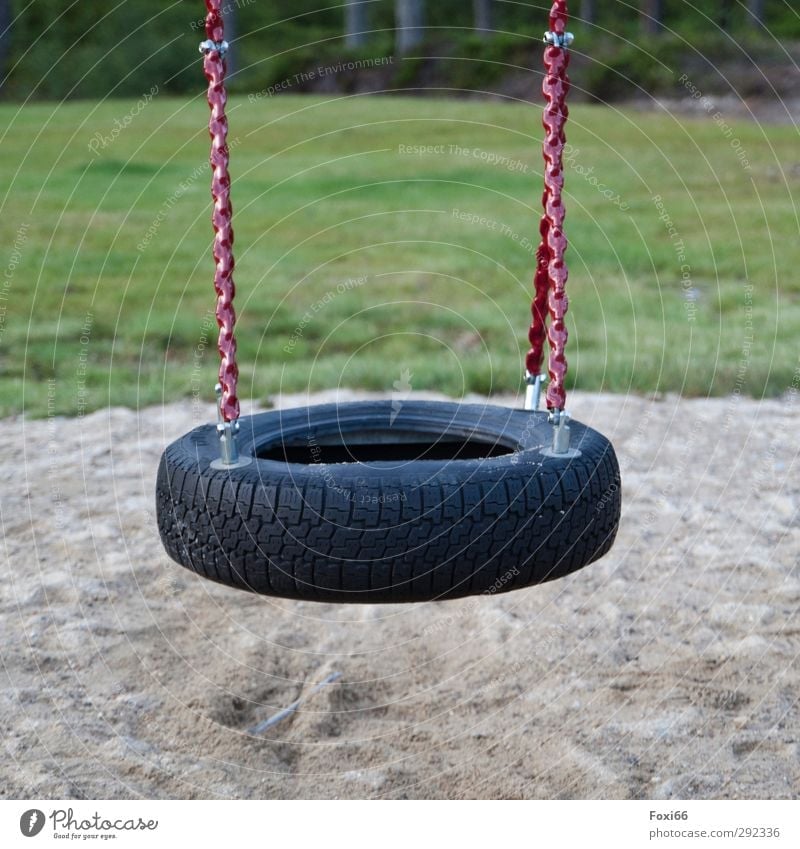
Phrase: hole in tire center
(375, 446)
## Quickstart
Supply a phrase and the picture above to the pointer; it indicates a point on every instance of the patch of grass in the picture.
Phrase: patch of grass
(108, 288)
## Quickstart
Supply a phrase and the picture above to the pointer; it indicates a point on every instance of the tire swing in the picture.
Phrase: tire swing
(360, 502)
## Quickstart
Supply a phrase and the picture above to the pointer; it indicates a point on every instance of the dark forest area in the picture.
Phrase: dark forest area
(54, 50)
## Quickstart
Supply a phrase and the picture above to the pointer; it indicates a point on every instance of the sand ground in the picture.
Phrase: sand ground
(668, 669)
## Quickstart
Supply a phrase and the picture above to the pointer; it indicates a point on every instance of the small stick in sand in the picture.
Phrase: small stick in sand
(288, 711)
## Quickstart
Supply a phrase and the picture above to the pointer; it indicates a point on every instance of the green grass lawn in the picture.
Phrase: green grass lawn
(106, 290)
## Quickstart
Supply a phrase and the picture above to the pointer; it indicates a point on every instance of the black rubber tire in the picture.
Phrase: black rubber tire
(389, 530)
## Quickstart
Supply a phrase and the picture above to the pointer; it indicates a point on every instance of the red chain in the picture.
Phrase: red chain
(550, 279)
(214, 68)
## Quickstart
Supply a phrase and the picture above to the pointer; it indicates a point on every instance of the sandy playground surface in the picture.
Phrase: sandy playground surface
(669, 669)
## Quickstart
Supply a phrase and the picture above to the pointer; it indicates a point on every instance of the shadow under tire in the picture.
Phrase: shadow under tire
(389, 502)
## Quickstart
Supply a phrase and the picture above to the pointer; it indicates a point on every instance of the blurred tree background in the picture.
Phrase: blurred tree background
(54, 49)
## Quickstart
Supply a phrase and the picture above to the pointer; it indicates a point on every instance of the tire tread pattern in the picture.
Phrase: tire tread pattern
(497, 527)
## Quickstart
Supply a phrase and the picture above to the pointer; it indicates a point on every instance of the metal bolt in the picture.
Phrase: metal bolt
(561, 434)
(220, 46)
(533, 391)
(228, 449)
(562, 40)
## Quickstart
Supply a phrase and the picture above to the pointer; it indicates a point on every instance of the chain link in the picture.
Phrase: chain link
(214, 69)
(550, 278)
